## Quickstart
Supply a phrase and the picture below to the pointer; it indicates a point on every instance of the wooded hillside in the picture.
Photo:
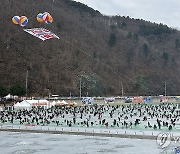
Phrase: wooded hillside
(102, 53)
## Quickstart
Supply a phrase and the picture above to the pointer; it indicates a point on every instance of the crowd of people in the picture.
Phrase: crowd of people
(165, 116)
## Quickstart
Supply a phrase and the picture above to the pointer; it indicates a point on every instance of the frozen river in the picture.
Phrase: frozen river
(35, 143)
(133, 122)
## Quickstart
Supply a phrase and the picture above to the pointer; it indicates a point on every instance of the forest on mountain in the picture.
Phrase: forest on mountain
(102, 55)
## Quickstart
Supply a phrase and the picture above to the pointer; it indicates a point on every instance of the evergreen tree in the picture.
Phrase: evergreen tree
(3, 91)
(18, 90)
(112, 40)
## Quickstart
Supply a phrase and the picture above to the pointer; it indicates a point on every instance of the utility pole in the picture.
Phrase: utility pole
(165, 88)
(122, 89)
(49, 94)
(26, 82)
(80, 88)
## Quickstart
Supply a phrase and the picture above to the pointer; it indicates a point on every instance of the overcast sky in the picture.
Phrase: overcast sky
(159, 11)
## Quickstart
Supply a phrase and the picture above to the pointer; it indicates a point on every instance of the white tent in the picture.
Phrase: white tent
(53, 103)
(64, 102)
(75, 103)
(59, 103)
(1, 108)
(72, 103)
(28, 104)
(109, 100)
(23, 105)
(9, 96)
(17, 104)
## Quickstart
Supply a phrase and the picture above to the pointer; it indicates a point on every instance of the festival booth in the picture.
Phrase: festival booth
(128, 100)
(163, 99)
(59, 103)
(138, 99)
(87, 100)
(109, 100)
(28, 104)
(53, 103)
(64, 102)
(72, 103)
(177, 98)
(147, 100)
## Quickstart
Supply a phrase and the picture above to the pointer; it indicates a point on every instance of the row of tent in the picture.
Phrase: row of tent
(138, 99)
(28, 104)
(60, 103)
(10, 97)
(144, 99)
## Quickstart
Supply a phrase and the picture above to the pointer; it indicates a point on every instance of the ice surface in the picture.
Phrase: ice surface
(32, 143)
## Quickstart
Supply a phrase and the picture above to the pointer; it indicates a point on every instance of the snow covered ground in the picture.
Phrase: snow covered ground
(32, 143)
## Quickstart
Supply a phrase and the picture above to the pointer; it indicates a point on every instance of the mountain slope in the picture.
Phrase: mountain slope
(102, 53)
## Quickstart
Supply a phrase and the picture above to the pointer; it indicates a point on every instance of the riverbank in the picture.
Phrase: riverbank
(117, 133)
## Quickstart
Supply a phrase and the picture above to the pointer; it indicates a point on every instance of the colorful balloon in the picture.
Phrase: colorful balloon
(16, 20)
(46, 16)
(23, 21)
(40, 17)
(50, 19)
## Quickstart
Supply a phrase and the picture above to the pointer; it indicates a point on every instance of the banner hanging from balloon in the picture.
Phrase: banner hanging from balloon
(41, 33)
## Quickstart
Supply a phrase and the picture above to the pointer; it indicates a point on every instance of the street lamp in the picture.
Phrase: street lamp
(49, 92)
(27, 82)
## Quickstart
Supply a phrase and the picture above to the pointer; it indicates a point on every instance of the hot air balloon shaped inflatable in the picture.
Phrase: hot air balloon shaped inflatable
(44, 17)
(16, 20)
(50, 20)
(23, 21)
(40, 17)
